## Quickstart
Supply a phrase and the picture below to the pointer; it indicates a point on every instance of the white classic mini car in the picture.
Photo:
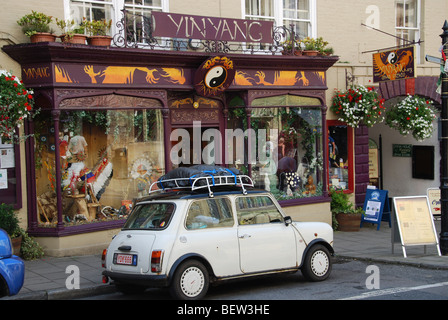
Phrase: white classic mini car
(186, 239)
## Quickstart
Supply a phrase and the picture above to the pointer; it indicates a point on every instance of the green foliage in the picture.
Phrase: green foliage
(358, 105)
(414, 115)
(35, 22)
(16, 104)
(318, 44)
(30, 249)
(96, 27)
(69, 29)
(9, 221)
(340, 202)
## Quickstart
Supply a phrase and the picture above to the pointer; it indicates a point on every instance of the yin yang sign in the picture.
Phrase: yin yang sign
(214, 76)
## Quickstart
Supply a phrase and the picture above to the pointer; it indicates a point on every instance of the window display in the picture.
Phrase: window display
(298, 164)
(106, 157)
(340, 153)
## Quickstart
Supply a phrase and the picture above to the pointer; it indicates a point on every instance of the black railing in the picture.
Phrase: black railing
(135, 31)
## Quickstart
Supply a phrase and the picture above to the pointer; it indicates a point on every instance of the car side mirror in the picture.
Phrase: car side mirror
(287, 220)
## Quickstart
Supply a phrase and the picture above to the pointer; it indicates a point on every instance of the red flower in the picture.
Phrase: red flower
(408, 118)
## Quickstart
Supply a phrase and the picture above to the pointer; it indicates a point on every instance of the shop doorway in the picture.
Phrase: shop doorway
(195, 145)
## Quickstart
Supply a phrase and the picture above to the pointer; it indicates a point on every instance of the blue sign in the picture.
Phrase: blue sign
(375, 205)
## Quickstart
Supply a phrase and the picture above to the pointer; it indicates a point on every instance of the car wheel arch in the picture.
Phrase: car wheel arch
(312, 244)
(4, 288)
(191, 256)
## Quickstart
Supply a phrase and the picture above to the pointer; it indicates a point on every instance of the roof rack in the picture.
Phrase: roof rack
(240, 181)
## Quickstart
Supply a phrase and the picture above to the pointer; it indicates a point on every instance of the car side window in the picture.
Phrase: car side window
(209, 213)
(256, 210)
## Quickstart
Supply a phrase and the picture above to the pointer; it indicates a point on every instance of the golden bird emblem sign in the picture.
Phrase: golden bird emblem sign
(214, 76)
(394, 64)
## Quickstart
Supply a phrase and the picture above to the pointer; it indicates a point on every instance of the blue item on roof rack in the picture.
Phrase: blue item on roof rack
(193, 172)
(202, 176)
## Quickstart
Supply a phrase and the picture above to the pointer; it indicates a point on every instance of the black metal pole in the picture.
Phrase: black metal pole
(444, 151)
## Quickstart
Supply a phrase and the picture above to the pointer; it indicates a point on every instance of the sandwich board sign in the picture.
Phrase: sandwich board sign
(375, 204)
(415, 222)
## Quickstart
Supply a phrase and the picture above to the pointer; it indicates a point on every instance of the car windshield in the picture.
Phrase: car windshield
(150, 216)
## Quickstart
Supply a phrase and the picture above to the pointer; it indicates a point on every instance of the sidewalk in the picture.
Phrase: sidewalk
(45, 278)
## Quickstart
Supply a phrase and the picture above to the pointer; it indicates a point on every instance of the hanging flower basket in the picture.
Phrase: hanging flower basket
(358, 105)
(16, 104)
(414, 115)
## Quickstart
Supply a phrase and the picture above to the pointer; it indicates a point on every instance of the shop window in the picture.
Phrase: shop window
(107, 158)
(340, 156)
(285, 154)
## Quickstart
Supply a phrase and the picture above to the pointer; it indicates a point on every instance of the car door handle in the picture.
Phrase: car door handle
(244, 236)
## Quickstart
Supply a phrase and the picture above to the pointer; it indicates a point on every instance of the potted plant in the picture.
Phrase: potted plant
(10, 223)
(97, 31)
(315, 46)
(327, 51)
(358, 105)
(414, 115)
(345, 216)
(16, 105)
(292, 47)
(36, 25)
(71, 33)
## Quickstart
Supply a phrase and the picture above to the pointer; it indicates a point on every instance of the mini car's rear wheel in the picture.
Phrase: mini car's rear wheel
(317, 265)
(190, 281)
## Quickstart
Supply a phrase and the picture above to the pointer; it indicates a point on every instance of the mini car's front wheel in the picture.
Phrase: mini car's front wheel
(190, 281)
(317, 265)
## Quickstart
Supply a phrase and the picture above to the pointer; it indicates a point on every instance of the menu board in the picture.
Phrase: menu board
(415, 221)
(9, 174)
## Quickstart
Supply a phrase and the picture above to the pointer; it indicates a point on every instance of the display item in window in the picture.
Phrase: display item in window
(85, 185)
(310, 187)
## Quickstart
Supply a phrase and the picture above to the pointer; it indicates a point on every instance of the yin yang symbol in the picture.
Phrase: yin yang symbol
(392, 58)
(215, 77)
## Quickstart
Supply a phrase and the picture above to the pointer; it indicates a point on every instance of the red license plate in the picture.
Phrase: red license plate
(126, 259)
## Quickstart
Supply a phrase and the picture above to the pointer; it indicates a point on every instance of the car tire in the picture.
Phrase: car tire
(4, 290)
(317, 265)
(190, 281)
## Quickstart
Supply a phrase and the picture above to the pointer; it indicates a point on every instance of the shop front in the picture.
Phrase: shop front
(113, 120)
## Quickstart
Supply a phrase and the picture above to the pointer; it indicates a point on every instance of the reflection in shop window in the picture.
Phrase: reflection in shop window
(339, 151)
(107, 159)
(298, 171)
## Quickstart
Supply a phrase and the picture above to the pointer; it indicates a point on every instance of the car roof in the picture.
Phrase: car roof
(183, 194)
